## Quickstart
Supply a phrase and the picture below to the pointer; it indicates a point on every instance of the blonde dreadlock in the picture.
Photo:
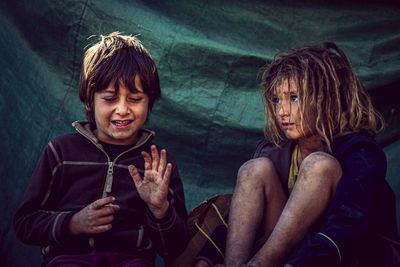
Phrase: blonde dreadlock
(332, 100)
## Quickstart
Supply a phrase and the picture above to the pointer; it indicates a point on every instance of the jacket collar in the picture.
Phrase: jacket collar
(85, 129)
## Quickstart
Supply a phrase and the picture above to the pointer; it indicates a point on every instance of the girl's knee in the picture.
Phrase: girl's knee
(321, 165)
(256, 170)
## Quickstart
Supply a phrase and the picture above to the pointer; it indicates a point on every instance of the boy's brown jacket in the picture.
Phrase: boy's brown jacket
(74, 171)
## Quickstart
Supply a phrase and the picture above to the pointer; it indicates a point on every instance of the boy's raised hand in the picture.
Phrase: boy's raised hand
(153, 188)
(95, 218)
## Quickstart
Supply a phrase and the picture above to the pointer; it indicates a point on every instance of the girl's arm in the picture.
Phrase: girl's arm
(361, 207)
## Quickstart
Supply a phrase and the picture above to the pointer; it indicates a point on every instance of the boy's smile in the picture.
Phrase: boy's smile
(121, 124)
(119, 116)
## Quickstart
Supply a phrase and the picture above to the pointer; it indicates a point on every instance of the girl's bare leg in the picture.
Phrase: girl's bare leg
(257, 203)
(315, 186)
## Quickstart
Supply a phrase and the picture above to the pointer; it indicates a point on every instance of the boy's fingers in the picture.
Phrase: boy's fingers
(107, 210)
(104, 220)
(155, 156)
(132, 170)
(104, 211)
(147, 160)
(114, 207)
(101, 202)
(167, 174)
(135, 175)
(101, 229)
(163, 162)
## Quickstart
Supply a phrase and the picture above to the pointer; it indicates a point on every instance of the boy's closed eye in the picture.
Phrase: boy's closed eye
(108, 95)
(110, 98)
(135, 99)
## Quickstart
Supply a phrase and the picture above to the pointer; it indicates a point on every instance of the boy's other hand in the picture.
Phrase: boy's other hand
(95, 218)
(202, 263)
(153, 188)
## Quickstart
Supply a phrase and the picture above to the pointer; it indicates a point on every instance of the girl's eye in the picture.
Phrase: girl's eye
(275, 100)
(294, 98)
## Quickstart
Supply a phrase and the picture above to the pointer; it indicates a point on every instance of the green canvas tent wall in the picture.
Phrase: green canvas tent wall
(208, 53)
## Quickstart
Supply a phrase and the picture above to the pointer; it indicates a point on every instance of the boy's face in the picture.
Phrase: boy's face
(119, 116)
(286, 102)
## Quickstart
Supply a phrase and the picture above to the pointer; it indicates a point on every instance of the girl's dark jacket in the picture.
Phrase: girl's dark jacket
(361, 214)
(74, 171)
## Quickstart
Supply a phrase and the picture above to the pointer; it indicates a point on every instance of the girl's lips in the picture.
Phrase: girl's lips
(286, 125)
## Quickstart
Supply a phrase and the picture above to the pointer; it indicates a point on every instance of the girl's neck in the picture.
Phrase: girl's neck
(309, 145)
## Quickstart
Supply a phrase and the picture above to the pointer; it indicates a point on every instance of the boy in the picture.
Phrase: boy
(105, 196)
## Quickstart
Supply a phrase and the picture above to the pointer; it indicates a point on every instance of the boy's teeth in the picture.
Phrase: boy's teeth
(121, 122)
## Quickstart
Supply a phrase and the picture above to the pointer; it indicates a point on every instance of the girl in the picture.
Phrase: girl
(315, 192)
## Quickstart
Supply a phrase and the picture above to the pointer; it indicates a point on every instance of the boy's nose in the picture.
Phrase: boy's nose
(122, 108)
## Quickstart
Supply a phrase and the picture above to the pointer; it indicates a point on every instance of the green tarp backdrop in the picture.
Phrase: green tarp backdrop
(208, 54)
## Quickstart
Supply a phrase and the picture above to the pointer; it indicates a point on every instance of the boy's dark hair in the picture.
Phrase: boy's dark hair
(117, 58)
(332, 100)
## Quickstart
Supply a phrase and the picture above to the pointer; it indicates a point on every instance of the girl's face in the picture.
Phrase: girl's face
(286, 103)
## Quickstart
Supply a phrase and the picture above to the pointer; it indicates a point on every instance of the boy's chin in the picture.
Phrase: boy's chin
(118, 138)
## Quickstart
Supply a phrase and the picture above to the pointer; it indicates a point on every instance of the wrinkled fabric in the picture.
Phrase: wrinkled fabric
(362, 209)
(208, 54)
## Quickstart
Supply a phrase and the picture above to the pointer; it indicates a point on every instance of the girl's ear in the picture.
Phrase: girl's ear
(87, 107)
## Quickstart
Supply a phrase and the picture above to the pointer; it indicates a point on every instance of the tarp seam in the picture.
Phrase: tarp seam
(74, 67)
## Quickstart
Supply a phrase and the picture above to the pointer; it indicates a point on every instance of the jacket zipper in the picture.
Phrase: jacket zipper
(110, 170)
(109, 179)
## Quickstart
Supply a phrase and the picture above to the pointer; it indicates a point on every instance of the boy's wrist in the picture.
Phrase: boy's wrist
(72, 225)
(159, 212)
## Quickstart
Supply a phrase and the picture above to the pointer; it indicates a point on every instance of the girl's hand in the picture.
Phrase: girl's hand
(153, 188)
(95, 218)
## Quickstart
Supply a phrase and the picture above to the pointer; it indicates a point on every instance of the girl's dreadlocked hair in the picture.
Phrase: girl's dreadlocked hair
(332, 100)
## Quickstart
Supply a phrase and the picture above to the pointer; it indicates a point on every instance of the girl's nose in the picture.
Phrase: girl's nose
(283, 109)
